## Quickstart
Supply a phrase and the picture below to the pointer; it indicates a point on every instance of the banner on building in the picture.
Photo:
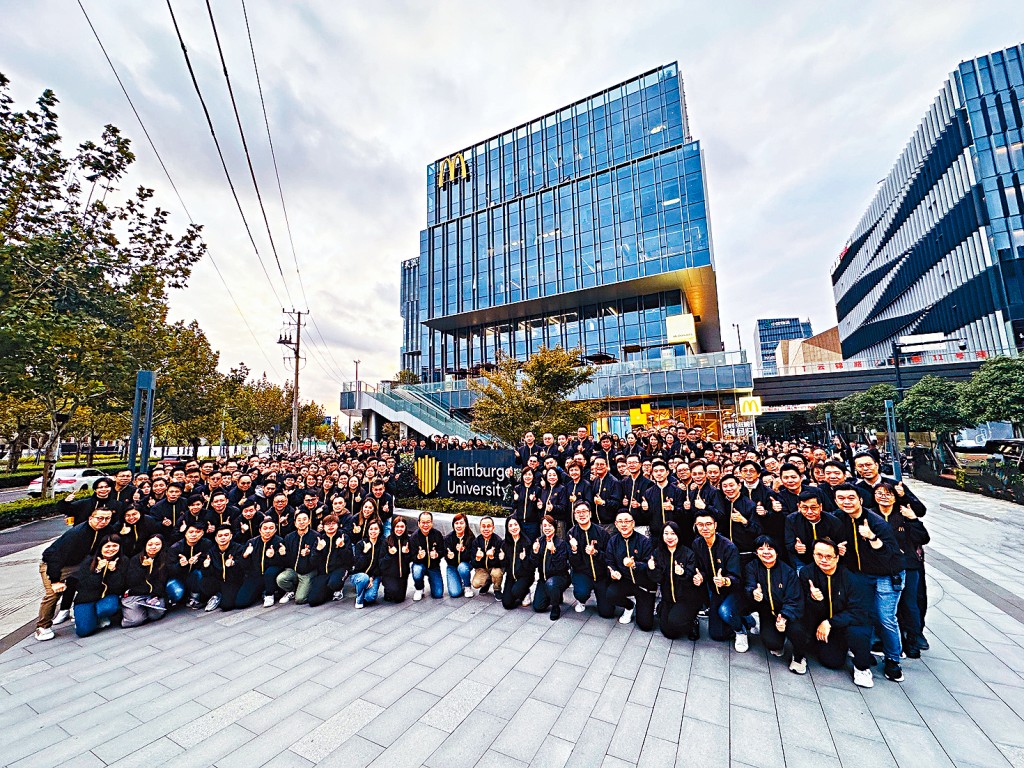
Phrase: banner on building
(464, 475)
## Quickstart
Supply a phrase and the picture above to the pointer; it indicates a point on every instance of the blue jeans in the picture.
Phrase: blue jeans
(583, 584)
(366, 586)
(887, 601)
(726, 611)
(910, 608)
(88, 615)
(436, 582)
(176, 588)
(458, 579)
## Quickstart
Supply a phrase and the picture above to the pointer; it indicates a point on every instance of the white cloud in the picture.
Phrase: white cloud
(800, 109)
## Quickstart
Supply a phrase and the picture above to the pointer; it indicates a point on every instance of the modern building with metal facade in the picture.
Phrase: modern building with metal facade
(589, 227)
(772, 330)
(941, 247)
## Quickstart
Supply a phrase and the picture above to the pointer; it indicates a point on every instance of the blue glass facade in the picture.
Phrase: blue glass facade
(587, 226)
(770, 331)
(941, 249)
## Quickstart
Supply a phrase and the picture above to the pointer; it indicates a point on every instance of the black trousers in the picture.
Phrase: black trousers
(676, 619)
(550, 593)
(626, 594)
(325, 585)
(514, 591)
(395, 589)
(774, 640)
(833, 652)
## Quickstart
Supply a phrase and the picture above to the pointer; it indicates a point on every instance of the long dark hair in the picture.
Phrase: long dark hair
(661, 545)
(111, 539)
(393, 538)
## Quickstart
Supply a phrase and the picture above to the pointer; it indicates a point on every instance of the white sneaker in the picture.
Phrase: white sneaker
(798, 667)
(527, 602)
(213, 603)
(742, 644)
(268, 601)
(779, 653)
(359, 605)
(756, 629)
(287, 597)
(467, 592)
(44, 633)
(580, 607)
(104, 623)
(417, 595)
(863, 678)
(626, 617)
(339, 595)
(62, 616)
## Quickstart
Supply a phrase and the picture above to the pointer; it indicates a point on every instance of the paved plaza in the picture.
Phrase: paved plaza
(464, 683)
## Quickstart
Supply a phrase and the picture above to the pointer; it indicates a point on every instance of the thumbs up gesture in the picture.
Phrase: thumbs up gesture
(367, 546)
(479, 554)
(536, 546)
(652, 563)
(628, 561)
(698, 502)
(206, 562)
(421, 554)
(320, 544)
(757, 594)
(800, 547)
(864, 530)
(760, 509)
(776, 505)
(248, 551)
(698, 579)
(230, 561)
(780, 623)
(816, 594)
(719, 579)
(451, 555)
(678, 568)
(573, 544)
(393, 550)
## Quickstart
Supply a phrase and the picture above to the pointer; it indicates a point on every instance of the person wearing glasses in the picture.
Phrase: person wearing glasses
(61, 561)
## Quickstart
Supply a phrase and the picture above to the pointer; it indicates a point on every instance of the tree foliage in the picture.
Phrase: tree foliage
(516, 398)
(995, 392)
(864, 410)
(933, 405)
(405, 376)
(259, 407)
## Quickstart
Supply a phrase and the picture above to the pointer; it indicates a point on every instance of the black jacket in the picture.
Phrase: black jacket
(675, 573)
(722, 556)
(80, 509)
(74, 545)
(369, 557)
(558, 497)
(640, 549)
(860, 556)
(336, 554)
(480, 549)
(595, 565)
(609, 490)
(265, 554)
(664, 505)
(910, 534)
(244, 528)
(134, 535)
(433, 548)
(798, 527)
(173, 513)
(780, 590)
(740, 534)
(179, 549)
(106, 580)
(146, 579)
(397, 564)
(846, 600)
(524, 503)
(301, 551)
(452, 544)
(551, 564)
(516, 557)
(220, 568)
(633, 490)
(578, 491)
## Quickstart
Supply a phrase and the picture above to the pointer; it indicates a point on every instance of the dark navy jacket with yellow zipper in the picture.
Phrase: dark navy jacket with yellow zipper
(147, 579)
(219, 567)
(780, 589)
(452, 542)
(551, 564)
(301, 552)
(860, 556)
(674, 572)
(482, 546)
(722, 556)
(640, 549)
(596, 565)
(266, 554)
(516, 560)
(433, 548)
(399, 564)
(847, 600)
(369, 557)
(102, 581)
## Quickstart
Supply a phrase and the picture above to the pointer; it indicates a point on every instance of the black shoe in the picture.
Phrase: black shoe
(694, 631)
(912, 652)
(922, 644)
(893, 671)
(556, 613)
(497, 595)
(876, 647)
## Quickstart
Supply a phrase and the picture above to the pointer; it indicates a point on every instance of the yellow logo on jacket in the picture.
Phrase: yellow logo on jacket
(428, 474)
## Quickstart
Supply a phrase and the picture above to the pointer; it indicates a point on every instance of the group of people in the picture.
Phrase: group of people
(786, 540)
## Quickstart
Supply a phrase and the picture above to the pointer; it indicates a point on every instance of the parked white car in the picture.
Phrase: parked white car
(67, 480)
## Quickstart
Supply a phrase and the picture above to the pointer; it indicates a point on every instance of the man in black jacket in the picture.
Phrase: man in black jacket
(607, 494)
(427, 552)
(631, 565)
(808, 524)
(61, 560)
(718, 567)
(587, 544)
(302, 547)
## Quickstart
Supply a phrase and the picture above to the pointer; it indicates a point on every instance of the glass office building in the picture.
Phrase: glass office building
(772, 330)
(941, 248)
(587, 226)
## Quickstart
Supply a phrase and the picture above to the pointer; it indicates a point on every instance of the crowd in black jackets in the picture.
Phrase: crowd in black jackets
(659, 528)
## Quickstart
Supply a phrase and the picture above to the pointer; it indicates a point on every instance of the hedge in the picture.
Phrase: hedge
(451, 506)
(25, 476)
(25, 510)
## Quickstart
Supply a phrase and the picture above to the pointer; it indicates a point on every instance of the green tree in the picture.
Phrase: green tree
(85, 268)
(995, 392)
(933, 405)
(259, 407)
(311, 418)
(516, 398)
(405, 376)
(865, 410)
(19, 420)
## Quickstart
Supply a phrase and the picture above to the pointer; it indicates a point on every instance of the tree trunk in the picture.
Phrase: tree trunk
(194, 442)
(15, 457)
(49, 461)
(90, 456)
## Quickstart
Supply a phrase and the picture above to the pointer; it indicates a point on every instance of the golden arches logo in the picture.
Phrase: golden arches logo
(452, 169)
(428, 474)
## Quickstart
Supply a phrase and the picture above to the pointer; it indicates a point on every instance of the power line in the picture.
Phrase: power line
(245, 147)
(170, 180)
(280, 191)
(220, 153)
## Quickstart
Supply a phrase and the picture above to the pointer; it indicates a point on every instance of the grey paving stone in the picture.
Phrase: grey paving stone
(448, 713)
(387, 691)
(575, 715)
(846, 711)
(65, 750)
(752, 690)
(17, 749)
(613, 699)
(711, 659)
(340, 695)
(492, 759)
(615, 762)
(707, 700)
(677, 672)
(498, 663)
(510, 693)
(702, 744)
(798, 757)
(597, 673)
(658, 650)
(113, 709)
(154, 753)
(802, 725)
(538, 660)
(207, 752)
(333, 732)
(591, 746)
(27, 667)
(468, 743)
(957, 678)
(442, 650)
(582, 648)
(891, 702)
(553, 753)
(412, 748)
(205, 726)
(527, 730)
(445, 677)
(271, 741)
(755, 738)
(558, 683)
(343, 669)
(288, 759)
(996, 718)
(628, 740)
(960, 738)
(393, 721)
(130, 741)
(394, 660)
(356, 752)
(485, 644)
(657, 753)
(646, 685)
(913, 744)
(667, 716)
(564, 630)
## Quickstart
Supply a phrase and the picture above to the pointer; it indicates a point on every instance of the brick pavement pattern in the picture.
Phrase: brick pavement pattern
(464, 683)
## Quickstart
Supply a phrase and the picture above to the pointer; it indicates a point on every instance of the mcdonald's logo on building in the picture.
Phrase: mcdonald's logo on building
(750, 406)
(452, 169)
(428, 474)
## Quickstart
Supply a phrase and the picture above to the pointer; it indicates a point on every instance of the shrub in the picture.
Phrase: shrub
(451, 506)
(25, 510)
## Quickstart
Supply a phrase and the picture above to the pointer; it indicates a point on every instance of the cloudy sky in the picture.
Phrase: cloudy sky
(801, 108)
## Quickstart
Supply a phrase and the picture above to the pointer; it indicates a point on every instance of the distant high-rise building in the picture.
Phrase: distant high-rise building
(941, 247)
(772, 330)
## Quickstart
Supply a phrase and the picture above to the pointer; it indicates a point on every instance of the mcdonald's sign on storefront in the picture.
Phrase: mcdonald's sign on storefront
(428, 474)
(750, 406)
(452, 169)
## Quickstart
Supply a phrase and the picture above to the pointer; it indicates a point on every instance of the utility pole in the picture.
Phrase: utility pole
(739, 341)
(295, 346)
(357, 362)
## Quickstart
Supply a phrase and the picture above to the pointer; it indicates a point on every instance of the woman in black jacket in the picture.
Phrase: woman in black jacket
(525, 498)
(333, 563)
(100, 584)
(680, 599)
(774, 591)
(912, 536)
(551, 559)
(366, 573)
(553, 498)
(145, 584)
(459, 551)
(397, 563)
(518, 565)
(361, 525)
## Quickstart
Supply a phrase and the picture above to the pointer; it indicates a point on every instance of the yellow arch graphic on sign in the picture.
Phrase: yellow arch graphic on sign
(750, 406)
(428, 474)
(452, 169)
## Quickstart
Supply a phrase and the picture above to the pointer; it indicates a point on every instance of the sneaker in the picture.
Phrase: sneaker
(626, 617)
(798, 667)
(497, 595)
(755, 630)
(193, 603)
(339, 595)
(104, 623)
(893, 671)
(467, 592)
(877, 649)
(213, 603)
(556, 613)
(417, 595)
(268, 601)
(288, 596)
(922, 643)
(863, 678)
(580, 607)
(358, 605)
(62, 615)
(527, 601)
(741, 644)
(44, 633)
(778, 654)
(912, 652)
(703, 613)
